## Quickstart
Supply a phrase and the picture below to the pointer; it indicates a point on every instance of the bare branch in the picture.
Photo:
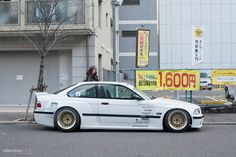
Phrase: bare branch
(33, 42)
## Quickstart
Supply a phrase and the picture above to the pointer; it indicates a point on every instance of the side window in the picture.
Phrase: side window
(84, 91)
(105, 91)
(115, 92)
(124, 93)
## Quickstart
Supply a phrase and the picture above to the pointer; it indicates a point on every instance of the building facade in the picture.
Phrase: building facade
(217, 18)
(89, 43)
(137, 14)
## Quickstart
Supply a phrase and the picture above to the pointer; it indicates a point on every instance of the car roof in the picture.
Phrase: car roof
(103, 82)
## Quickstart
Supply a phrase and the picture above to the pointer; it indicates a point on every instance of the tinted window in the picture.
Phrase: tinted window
(115, 92)
(129, 33)
(131, 2)
(84, 91)
(203, 75)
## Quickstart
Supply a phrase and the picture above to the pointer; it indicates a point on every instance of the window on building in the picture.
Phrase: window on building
(100, 13)
(107, 19)
(128, 33)
(7, 15)
(131, 2)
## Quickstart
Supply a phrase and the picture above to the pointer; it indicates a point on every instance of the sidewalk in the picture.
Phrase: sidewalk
(15, 108)
(10, 114)
(15, 114)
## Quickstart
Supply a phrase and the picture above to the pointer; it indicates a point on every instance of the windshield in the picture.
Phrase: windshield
(57, 92)
(145, 95)
(203, 75)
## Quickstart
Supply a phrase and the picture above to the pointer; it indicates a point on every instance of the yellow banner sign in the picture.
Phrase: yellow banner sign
(223, 77)
(168, 79)
(142, 48)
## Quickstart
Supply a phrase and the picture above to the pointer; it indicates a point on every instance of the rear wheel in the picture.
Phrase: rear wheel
(177, 120)
(66, 119)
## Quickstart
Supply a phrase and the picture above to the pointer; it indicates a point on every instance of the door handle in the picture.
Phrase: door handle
(105, 103)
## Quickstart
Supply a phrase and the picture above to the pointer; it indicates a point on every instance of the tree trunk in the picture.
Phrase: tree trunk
(40, 86)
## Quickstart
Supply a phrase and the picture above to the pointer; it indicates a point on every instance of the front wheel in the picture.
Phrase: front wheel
(66, 119)
(177, 120)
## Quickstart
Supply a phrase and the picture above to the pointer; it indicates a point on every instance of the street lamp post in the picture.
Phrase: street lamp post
(114, 38)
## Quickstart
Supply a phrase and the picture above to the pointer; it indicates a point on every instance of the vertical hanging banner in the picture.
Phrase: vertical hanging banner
(197, 45)
(142, 48)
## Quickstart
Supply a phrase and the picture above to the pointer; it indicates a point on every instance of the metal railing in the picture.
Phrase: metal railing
(66, 12)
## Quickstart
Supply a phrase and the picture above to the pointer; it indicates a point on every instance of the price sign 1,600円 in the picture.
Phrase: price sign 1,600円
(168, 79)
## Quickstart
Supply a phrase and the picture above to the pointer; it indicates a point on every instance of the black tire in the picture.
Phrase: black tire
(66, 119)
(177, 120)
(227, 95)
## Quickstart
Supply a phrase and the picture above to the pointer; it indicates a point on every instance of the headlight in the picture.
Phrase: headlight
(197, 111)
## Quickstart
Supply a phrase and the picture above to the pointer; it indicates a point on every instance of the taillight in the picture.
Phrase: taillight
(38, 105)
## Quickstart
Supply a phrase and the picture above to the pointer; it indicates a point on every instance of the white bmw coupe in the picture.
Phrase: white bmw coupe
(112, 105)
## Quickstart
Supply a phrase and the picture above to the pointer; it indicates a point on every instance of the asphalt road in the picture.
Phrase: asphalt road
(37, 141)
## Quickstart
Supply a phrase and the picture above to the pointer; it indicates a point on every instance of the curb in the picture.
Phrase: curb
(17, 121)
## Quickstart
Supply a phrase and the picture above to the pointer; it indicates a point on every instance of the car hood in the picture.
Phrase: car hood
(162, 102)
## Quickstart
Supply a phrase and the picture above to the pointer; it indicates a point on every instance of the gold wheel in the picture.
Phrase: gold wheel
(66, 119)
(178, 120)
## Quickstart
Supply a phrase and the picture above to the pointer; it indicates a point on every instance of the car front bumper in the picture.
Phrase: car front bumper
(204, 86)
(197, 121)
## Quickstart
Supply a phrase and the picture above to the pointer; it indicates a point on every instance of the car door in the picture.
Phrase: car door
(120, 106)
(84, 99)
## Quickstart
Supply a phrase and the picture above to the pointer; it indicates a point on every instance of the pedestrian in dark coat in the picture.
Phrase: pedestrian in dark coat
(92, 74)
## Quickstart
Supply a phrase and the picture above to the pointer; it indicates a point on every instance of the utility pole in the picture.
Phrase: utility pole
(159, 42)
(114, 38)
(115, 3)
